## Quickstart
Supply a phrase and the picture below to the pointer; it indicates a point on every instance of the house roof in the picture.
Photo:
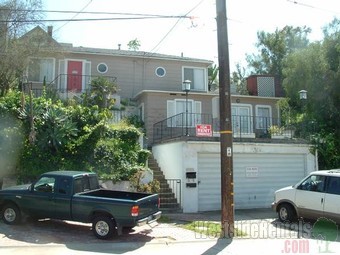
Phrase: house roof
(40, 36)
(130, 53)
(68, 47)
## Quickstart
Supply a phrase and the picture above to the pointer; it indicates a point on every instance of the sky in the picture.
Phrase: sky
(194, 37)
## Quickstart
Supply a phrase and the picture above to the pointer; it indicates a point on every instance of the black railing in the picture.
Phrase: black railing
(64, 86)
(244, 127)
(179, 125)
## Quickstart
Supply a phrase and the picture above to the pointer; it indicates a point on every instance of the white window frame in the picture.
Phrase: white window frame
(205, 78)
(41, 79)
(193, 107)
(249, 120)
(141, 110)
(160, 67)
(259, 119)
(102, 63)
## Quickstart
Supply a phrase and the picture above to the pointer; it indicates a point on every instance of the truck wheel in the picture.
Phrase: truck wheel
(11, 214)
(286, 213)
(103, 227)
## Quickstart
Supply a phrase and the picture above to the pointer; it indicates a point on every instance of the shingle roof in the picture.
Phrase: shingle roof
(129, 53)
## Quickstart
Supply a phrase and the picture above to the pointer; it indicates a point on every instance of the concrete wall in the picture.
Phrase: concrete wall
(176, 158)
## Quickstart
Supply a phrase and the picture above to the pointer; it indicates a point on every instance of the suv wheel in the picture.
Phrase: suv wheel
(286, 213)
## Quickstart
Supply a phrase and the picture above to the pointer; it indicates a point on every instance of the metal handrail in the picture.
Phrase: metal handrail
(243, 127)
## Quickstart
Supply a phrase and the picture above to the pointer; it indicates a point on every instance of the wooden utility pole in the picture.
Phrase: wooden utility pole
(227, 185)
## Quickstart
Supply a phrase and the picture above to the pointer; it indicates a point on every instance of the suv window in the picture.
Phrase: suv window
(333, 185)
(313, 183)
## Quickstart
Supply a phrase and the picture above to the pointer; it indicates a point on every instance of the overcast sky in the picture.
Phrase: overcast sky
(195, 37)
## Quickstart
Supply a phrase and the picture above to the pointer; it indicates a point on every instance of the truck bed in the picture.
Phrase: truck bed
(134, 196)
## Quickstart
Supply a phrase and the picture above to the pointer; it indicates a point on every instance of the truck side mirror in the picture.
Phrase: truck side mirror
(30, 188)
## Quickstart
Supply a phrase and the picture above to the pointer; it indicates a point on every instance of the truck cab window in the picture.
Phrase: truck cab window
(65, 186)
(78, 185)
(45, 184)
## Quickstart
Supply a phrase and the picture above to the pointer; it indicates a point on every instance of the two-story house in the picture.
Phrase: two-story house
(182, 126)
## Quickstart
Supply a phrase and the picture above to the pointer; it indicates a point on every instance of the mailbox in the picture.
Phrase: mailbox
(190, 175)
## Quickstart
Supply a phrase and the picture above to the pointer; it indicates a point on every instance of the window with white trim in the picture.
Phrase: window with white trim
(263, 116)
(160, 71)
(40, 68)
(197, 76)
(176, 113)
(241, 119)
(102, 68)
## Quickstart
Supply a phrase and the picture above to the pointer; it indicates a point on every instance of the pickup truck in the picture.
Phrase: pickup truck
(77, 196)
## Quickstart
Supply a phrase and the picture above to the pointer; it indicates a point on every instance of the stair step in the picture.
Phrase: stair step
(168, 200)
(166, 195)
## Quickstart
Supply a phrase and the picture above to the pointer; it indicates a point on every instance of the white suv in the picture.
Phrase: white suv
(317, 195)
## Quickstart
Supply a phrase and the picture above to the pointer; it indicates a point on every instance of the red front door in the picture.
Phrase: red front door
(74, 75)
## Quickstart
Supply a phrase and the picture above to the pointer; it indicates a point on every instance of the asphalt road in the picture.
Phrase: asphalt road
(265, 235)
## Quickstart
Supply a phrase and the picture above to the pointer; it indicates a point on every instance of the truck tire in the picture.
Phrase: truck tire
(286, 213)
(103, 227)
(11, 214)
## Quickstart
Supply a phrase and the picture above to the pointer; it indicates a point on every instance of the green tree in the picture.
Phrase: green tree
(134, 44)
(56, 129)
(13, 51)
(239, 78)
(274, 47)
(213, 77)
(100, 93)
(317, 70)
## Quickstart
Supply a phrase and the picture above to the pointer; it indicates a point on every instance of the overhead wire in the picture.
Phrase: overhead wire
(311, 6)
(176, 23)
(57, 29)
(131, 16)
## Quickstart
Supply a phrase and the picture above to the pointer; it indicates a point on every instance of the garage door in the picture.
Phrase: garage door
(256, 177)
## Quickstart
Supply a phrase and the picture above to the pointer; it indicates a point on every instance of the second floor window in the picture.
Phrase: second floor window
(177, 116)
(263, 117)
(197, 76)
(39, 68)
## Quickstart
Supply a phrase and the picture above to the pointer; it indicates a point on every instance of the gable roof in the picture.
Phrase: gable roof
(44, 39)
(41, 37)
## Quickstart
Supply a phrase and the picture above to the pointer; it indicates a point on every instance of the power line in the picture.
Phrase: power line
(144, 15)
(97, 19)
(75, 15)
(176, 23)
(311, 6)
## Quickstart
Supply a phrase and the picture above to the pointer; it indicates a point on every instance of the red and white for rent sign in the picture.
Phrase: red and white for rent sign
(203, 130)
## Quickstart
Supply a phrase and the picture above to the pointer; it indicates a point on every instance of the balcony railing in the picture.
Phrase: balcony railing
(64, 86)
(244, 127)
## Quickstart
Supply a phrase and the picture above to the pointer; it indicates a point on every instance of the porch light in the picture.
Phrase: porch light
(303, 94)
(186, 85)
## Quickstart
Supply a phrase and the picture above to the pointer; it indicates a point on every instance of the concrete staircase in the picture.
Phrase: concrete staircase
(168, 201)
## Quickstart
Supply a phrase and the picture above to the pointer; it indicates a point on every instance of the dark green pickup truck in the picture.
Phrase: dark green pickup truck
(77, 196)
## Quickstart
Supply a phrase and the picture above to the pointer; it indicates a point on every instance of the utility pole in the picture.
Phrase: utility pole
(227, 184)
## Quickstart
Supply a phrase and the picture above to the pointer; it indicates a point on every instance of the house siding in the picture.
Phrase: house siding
(135, 74)
(155, 105)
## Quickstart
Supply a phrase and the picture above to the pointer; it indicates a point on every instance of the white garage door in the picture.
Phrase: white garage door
(256, 177)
